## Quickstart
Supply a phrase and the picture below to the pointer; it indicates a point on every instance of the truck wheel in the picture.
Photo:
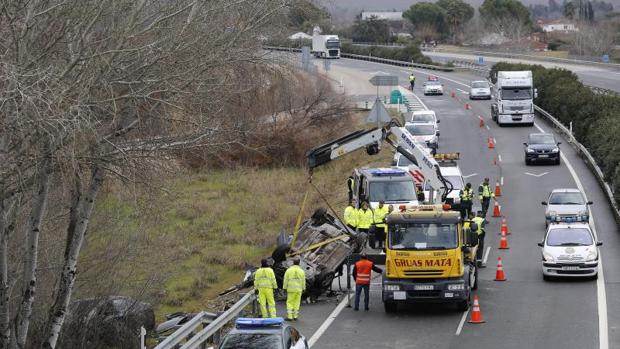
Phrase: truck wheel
(390, 307)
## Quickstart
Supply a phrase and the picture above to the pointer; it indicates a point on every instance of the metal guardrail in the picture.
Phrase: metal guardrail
(588, 158)
(371, 59)
(195, 340)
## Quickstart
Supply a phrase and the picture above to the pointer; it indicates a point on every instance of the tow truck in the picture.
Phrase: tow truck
(430, 256)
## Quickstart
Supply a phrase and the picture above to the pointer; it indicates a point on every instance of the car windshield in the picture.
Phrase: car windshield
(423, 118)
(571, 198)
(433, 83)
(479, 84)
(541, 139)
(515, 93)
(422, 236)
(392, 191)
(332, 44)
(569, 237)
(421, 130)
(252, 341)
(457, 183)
(403, 161)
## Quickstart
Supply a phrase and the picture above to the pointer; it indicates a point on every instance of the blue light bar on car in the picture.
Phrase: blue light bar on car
(387, 172)
(569, 219)
(244, 322)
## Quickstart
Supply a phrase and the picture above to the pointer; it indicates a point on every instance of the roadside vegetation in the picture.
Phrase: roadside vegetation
(594, 116)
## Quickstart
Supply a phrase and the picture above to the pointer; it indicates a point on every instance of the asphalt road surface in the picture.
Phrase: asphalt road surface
(522, 312)
(602, 77)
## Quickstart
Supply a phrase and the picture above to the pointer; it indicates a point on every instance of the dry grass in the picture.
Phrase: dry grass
(178, 249)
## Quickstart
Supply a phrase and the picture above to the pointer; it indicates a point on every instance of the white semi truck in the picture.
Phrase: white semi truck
(325, 46)
(514, 98)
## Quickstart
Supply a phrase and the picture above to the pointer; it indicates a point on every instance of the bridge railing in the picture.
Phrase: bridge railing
(191, 336)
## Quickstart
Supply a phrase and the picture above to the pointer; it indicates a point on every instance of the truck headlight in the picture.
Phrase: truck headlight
(391, 287)
(456, 287)
(592, 256)
(548, 257)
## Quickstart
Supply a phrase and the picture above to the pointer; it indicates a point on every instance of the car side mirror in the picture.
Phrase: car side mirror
(438, 133)
(535, 93)
(544, 203)
(525, 144)
(541, 244)
(589, 202)
(438, 121)
(559, 143)
(599, 243)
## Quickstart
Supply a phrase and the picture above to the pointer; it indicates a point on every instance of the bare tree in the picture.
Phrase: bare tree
(594, 40)
(98, 87)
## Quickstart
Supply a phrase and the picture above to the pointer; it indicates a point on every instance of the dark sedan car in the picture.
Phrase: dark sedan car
(542, 147)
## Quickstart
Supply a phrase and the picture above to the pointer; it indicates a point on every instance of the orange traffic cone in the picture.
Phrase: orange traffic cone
(476, 314)
(499, 274)
(491, 143)
(498, 189)
(497, 210)
(503, 242)
(452, 94)
(467, 106)
(481, 121)
(504, 227)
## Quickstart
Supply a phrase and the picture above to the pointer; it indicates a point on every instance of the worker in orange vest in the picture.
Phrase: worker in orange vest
(361, 273)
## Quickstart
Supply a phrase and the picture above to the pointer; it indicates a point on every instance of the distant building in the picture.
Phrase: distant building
(300, 36)
(559, 27)
(388, 16)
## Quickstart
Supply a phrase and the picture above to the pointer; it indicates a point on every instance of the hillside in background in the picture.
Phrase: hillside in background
(347, 9)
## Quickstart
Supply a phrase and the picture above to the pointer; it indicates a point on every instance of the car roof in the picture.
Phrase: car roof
(420, 123)
(450, 170)
(423, 112)
(565, 190)
(571, 225)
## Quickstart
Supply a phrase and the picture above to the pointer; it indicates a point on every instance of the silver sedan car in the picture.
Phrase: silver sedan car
(566, 203)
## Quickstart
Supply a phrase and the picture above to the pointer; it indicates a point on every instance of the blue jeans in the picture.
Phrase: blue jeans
(358, 292)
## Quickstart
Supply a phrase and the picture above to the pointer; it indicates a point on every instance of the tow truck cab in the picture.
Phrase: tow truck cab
(392, 185)
(430, 257)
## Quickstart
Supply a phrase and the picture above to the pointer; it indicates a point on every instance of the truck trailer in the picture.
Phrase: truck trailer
(326, 46)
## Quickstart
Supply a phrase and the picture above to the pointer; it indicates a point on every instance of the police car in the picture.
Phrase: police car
(569, 249)
(250, 333)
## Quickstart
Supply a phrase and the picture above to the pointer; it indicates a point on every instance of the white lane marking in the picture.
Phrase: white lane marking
(495, 141)
(470, 175)
(601, 295)
(325, 325)
(461, 91)
(486, 255)
(488, 128)
(462, 322)
(501, 181)
(499, 156)
(536, 175)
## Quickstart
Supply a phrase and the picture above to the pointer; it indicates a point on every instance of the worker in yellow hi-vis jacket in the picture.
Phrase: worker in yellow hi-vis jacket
(265, 283)
(295, 285)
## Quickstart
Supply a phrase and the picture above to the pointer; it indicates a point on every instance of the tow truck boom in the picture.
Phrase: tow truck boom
(372, 140)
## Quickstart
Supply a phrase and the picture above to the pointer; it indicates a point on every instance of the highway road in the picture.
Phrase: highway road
(607, 78)
(524, 311)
